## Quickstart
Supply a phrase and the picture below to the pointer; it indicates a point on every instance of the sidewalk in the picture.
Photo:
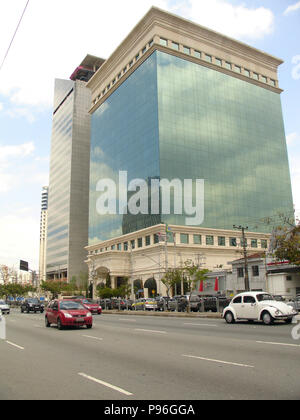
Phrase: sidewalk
(212, 315)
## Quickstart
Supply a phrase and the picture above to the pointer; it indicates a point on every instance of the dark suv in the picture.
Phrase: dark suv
(32, 305)
(215, 303)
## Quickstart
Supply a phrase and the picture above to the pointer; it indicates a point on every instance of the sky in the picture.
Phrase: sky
(53, 38)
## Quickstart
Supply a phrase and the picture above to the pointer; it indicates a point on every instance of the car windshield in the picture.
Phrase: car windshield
(33, 301)
(88, 301)
(67, 306)
(2, 302)
(264, 296)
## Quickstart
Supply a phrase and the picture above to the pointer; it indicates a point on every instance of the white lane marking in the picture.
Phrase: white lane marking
(90, 336)
(205, 325)
(15, 345)
(217, 361)
(278, 344)
(151, 331)
(115, 388)
(126, 319)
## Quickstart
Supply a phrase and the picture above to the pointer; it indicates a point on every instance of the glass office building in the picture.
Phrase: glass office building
(176, 118)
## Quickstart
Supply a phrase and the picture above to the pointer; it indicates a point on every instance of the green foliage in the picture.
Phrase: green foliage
(286, 244)
(15, 290)
(56, 287)
(172, 277)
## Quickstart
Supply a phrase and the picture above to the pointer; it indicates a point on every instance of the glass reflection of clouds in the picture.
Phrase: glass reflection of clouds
(176, 119)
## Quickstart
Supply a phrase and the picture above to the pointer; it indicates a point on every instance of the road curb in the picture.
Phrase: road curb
(212, 315)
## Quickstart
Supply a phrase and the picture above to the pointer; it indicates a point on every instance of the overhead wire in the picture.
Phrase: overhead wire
(14, 35)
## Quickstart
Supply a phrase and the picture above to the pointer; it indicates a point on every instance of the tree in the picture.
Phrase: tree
(83, 284)
(15, 290)
(285, 244)
(194, 274)
(171, 277)
(55, 287)
(105, 292)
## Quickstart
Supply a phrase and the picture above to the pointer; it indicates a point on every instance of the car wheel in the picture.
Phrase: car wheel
(229, 318)
(22, 311)
(89, 327)
(266, 318)
(59, 324)
(47, 323)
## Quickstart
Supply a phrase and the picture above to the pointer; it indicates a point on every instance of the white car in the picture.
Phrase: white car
(4, 307)
(257, 306)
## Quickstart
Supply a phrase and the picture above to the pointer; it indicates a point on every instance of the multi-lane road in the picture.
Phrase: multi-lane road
(131, 357)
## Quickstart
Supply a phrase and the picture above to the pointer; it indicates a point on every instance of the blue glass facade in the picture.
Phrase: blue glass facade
(173, 118)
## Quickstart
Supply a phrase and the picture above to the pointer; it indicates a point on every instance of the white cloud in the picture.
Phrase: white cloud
(1, 106)
(19, 235)
(292, 8)
(236, 21)
(54, 38)
(19, 112)
(292, 138)
(21, 150)
(19, 168)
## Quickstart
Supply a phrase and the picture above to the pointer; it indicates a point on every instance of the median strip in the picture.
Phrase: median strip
(217, 361)
(98, 381)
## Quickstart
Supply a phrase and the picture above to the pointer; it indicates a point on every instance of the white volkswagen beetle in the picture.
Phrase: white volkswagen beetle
(257, 306)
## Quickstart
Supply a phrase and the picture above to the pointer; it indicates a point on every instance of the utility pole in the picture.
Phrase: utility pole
(246, 277)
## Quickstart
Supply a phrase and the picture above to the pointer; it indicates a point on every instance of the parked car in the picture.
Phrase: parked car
(90, 305)
(194, 303)
(5, 309)
(295, 303)
(144, 304)
(162, 302)
(32, 305)
(178, 303)
(119, 303)
(67, 313)
(257, 306)
(105, 303)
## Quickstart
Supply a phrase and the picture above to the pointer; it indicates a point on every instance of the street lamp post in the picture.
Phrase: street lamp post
(246, 277)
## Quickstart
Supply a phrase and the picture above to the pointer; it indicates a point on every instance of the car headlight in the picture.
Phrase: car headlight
(88, 315)
(278, 312)
(67, 315)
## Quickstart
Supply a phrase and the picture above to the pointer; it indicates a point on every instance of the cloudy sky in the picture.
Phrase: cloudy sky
(54, 37)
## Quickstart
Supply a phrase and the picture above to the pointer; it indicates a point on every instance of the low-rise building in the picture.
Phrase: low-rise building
(147, 254)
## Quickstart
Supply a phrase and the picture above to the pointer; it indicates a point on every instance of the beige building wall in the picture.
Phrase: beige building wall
(142, 262)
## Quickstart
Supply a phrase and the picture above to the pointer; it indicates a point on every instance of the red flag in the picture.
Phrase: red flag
(217, 285)
(201, 286)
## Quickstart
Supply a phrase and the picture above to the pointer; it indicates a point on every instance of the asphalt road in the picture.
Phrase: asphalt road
(130, 357)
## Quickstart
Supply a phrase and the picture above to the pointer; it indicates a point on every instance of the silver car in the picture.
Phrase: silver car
(5, 309)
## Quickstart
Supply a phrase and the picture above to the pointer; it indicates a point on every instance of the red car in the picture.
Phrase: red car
(67, 313)
(90, 305)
